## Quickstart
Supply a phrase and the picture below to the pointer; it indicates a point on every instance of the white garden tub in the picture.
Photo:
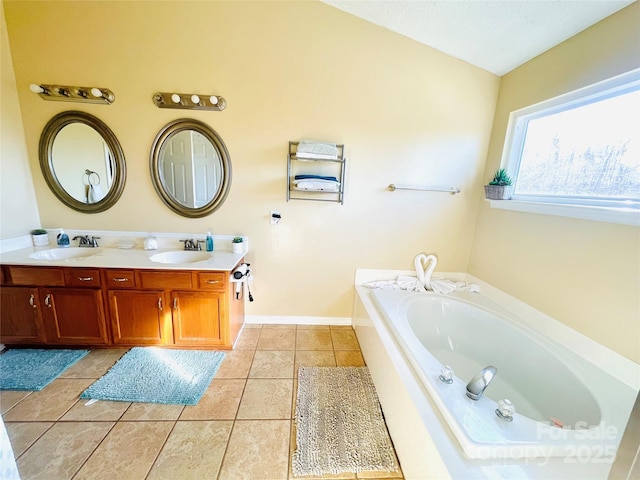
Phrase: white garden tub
(572, 395)
(564, 405)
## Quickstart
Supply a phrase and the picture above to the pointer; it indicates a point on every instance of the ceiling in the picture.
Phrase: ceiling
(495, 35)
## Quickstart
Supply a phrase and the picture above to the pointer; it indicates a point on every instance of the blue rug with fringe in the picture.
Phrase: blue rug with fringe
(34, 368)
(158, 375)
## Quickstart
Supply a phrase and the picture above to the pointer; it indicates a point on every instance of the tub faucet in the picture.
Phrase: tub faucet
(480, 381)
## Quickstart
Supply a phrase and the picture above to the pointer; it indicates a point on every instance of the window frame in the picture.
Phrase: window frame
(591, 208)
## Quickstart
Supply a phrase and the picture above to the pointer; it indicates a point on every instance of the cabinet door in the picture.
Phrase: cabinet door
(74, 316)
(139, 317)
(196, 317)
(20, 316)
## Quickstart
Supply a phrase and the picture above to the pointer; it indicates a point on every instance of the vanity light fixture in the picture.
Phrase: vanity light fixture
(189, 101)
(74, 94)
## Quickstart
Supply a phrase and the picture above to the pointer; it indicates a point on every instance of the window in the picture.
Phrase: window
(581, 149)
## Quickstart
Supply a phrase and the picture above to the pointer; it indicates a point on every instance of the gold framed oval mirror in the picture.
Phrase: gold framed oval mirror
(190, 168)
(82, 162)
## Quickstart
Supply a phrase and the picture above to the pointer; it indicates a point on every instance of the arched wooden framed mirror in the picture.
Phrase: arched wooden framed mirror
(190, 168)
(82, 162)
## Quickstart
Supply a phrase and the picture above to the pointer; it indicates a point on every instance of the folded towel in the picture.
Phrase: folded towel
(319, 185)
(410, 283)
(403, 282)
(384, 284)
(318, 148)
(315, 177)
(445, 287)
(314, 156)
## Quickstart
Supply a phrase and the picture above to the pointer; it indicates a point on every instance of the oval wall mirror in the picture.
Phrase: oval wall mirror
(190, 168)
(82, 162)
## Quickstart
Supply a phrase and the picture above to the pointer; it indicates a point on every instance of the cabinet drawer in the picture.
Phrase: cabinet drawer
(165, 279)
(52, 277)
(212, 280)
(82, 277)
(119, 279)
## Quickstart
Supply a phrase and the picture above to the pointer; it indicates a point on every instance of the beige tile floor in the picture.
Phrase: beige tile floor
(242, 428)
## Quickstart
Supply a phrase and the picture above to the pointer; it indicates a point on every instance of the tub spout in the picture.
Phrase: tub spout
(480, 381)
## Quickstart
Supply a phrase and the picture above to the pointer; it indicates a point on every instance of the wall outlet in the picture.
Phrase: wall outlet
(275, 217)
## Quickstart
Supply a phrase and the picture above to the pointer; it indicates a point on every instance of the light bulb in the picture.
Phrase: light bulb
(213, 99)
(195, 99)
(175, 98)
(96, 92)
(36, 88)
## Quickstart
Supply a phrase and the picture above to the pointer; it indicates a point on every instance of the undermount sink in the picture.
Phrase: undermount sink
(64, 253)
(180, 256)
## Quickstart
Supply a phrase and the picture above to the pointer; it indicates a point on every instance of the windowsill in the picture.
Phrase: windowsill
(598, 214)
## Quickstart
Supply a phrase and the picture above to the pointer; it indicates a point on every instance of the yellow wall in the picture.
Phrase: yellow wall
(407, 114)
(289, 70)
(18, 207)
(583, 273)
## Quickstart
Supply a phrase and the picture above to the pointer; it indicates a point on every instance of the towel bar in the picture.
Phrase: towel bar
(393, 187)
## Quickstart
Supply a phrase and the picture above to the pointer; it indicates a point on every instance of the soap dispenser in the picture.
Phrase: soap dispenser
(209, 242)
(63, 239)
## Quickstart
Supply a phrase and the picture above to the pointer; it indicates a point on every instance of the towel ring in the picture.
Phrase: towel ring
(89, 173)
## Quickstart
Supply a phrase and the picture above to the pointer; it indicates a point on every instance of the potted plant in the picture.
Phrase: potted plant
(236, 245)
(40, 237)
(500, 188)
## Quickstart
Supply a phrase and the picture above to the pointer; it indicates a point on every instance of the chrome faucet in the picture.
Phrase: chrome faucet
(480, 381)
(191, 244)
(85, 241)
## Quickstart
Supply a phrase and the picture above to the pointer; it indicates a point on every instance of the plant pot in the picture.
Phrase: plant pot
(498, 192)
(40, 240)
(236, 247)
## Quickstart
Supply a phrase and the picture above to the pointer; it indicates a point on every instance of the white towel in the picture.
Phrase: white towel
(317, 147)
(410, 283)
(383, 284)
(316, 185)
(403, 282)
(314, 156)
(95, 194)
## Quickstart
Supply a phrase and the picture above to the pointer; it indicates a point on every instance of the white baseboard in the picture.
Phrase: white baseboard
(295, 320)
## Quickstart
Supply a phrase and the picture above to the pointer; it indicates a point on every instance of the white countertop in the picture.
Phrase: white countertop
(113, 257)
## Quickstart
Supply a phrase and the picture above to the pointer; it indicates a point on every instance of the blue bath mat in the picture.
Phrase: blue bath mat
(34, 369)
(158, 375)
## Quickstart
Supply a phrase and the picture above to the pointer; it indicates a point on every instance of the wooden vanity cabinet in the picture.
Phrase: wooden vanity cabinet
(172, 307)
(20, 316)
(138, 317)
(52, 305)
(128, 307)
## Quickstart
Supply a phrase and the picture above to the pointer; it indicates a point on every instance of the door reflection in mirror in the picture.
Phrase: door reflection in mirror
(190, 168)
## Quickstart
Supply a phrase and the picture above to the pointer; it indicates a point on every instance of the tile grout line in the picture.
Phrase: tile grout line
(93, 451)
(235, 418)
(155, 460)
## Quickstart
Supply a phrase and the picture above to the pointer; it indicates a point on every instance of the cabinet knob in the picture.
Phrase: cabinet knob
(160, 303)
(47, 300)
(85, 279)
(32, 300)
(175, 303)
(212, 282)
(116, 279)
